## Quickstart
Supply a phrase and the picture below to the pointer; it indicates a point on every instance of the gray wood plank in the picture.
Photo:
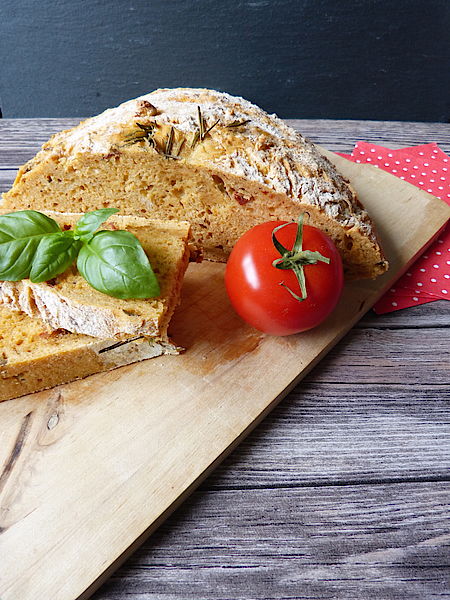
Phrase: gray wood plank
(371, 356)
(433, 314)
(20, 132)
(340, 136)
(351, 542)
(20, 139)
(340, 433)
(6, 179)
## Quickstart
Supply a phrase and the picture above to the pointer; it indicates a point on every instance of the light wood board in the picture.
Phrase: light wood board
(87, 470)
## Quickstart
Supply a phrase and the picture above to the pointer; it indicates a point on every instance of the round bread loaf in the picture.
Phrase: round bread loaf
(202, 156)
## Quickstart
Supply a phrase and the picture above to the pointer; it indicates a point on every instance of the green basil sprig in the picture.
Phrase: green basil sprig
(113, 262)
(54, 255)
(20, 235)
(91, 221)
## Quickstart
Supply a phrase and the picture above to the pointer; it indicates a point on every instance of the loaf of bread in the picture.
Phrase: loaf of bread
(34, 358)
(202, 156)
(69, 302)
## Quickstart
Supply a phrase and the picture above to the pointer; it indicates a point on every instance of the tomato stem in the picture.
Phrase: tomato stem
(296, 258)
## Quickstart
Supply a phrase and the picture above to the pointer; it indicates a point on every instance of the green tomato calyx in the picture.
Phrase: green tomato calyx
(296, 258)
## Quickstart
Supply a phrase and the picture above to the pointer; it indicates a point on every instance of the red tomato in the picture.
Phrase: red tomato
(254, 284)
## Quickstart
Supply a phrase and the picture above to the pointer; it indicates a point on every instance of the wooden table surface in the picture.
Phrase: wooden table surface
(343, 491)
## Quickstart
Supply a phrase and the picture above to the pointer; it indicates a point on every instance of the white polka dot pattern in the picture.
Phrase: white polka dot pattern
(429, 278)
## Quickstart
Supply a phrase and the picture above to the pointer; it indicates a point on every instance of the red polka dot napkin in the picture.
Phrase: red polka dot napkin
(428, 168)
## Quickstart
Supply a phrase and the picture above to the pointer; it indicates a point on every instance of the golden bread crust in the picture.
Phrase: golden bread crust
(204, 156)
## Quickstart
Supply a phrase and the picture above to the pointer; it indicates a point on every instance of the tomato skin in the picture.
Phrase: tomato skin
(253, 283)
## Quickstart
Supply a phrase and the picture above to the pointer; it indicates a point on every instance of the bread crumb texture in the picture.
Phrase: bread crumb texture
(34, 357)
(70, 303)
(201, 156)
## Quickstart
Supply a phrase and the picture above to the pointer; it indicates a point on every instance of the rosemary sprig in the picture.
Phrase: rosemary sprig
(237, 123)
(209, 129)
(202, 130)
(133, 138)
(167, 152)
(146, 133)
(146, 128)
(169, 143)
(180, 146)
(201, 123)
(195, 138)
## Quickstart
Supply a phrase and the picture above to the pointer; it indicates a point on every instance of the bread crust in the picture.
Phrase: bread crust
(264, 169)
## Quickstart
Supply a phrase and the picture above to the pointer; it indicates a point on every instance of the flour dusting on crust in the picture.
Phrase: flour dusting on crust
(272, 154)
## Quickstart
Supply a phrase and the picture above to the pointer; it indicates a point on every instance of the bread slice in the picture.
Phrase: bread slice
(203, 156)
(69, 302)
(33, 358)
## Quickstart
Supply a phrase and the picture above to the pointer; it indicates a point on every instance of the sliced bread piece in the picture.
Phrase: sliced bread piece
(68, 302)
(214, 160)
(33, 358)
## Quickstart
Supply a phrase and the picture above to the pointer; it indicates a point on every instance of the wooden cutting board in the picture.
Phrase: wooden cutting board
(89, 469)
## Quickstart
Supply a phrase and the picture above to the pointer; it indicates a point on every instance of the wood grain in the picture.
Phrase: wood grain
(234, 538)
(352, 542)
(432, 315)
(397, 419)
(371, 356)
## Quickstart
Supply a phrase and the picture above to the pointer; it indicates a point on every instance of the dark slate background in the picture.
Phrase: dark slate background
(358, 59)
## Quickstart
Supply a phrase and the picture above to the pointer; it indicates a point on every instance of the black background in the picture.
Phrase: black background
(359, 59)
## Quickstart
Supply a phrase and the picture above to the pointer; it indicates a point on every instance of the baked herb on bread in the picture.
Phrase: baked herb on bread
(203, 156)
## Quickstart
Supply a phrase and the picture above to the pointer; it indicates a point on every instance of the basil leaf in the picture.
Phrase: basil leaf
(114, 263)
(20, 235)
(91, 221)
(55, 253)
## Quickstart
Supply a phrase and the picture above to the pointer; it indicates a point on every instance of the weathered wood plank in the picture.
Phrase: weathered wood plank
(20, 139)
(370, 356)
(433, 314)
(350, 542)
(340, 136)
(6, 179)
(336, 433)
(20, 132)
